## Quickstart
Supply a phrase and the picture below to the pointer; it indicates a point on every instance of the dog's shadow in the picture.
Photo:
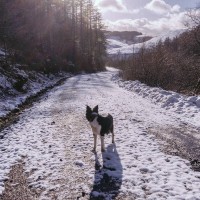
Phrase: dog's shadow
(108, 175)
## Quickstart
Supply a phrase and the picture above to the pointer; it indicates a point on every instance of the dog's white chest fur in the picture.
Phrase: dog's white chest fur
(95, 126)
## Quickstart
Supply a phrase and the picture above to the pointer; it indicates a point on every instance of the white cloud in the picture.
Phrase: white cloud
(110, 4)
(127, 24)
(176, 8)
(171, 22)
(161, 7)
(114, 5)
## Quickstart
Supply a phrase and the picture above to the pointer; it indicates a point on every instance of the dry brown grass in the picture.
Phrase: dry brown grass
(16, 187)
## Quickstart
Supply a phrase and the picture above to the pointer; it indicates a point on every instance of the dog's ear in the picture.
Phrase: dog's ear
(96, 109)
(88, 109)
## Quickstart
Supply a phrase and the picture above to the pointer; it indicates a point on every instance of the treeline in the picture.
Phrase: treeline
(171, 64)
(53, 34)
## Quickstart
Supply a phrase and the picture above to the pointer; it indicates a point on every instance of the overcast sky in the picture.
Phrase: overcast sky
(151, 17)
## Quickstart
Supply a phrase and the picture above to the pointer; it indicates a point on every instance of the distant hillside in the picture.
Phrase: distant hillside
(129, 37)
(170, 61)
(115, 46)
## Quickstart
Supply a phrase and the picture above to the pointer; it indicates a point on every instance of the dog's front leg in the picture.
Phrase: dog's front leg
(102, 144)
(95, 138)
(95, 141)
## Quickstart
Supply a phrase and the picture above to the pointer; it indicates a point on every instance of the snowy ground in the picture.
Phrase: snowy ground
(11, 98)
(1, 52)
(55, 141)
(187, 106)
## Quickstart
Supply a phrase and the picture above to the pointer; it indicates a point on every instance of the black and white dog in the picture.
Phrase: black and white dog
(100, 125)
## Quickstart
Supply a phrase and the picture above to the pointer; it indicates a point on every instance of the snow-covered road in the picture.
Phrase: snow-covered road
(55, 141)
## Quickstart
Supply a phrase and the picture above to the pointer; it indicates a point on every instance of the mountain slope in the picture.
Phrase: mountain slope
(125, 48)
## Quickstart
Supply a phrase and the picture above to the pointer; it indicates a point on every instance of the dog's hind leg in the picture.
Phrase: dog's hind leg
(113, 135)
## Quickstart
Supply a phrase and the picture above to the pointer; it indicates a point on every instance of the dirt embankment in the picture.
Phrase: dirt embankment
(12, 117)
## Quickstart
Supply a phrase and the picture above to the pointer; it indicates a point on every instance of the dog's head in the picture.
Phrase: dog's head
(91, 113)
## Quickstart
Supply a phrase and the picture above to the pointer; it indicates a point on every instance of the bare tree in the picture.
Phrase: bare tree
(194, 23)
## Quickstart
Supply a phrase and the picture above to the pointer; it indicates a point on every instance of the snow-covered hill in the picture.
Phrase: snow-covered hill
(115, 46)
(115, 43)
